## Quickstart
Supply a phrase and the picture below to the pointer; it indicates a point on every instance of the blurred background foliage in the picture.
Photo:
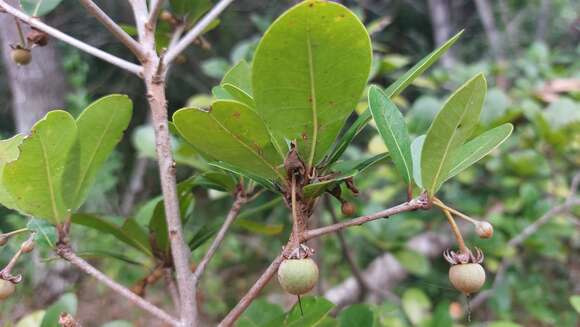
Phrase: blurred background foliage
(530, 57)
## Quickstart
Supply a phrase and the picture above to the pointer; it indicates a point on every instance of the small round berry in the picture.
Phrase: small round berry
(166, 16)
(6, 289)
(298, 276)
(467, 278)
(27, 246)
(3, 240)
(21, 56)
(484, 229)
(348, 209)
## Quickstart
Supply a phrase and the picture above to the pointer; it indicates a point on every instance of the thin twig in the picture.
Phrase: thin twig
(154, 10)
(196, 31)
(65, 252)
(114, 28)
(254, 291)
(232, 214)
(455, 229)
(121, 63)
(420, 202)
(6, 272)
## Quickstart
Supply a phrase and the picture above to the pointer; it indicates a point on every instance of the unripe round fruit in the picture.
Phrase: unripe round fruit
(166, 16)
(21, 56)
(27, 246)
(298, 276)
(468, 277)
(484, 229)
(347, 208)
(6, 289)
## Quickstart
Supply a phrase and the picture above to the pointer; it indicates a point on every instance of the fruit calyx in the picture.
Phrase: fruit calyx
(463, 257)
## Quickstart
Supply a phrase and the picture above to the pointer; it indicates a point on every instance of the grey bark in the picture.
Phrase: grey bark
(442, 28)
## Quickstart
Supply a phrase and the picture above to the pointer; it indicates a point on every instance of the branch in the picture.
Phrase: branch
(173, 291)
(114, 28)
(420, 202)
(65, 252)
(254, 291)
(154, 10)
(232, 214)
(173, 52)
(121, 63)
(506, 262)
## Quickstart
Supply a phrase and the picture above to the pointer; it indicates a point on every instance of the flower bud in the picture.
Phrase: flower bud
(484, 229)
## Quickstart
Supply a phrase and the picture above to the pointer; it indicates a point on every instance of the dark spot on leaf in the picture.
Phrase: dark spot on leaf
(332, 103)
(310, 99)
(236, 114)
(304, 136)
(311, 5)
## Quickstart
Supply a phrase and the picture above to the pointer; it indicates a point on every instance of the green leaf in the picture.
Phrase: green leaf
(31, 320)
(393, 90)
(108, 254)
(240, 75)
(402, 82)
(416, 305)
(450, 129)
(191, 8)
(100, 127)
(309, 71)
(220, 93)
(416, 149)
(231, 132)
(474, 150)
(259, 313)
(392, 127)
(9, 152)
(216, 180)
(126, 233)
(45, 233)
(202, 235)
(39, 7)
(414, 262)
(35, 179)
(66, 303)
(315, 310)
(266, 183)
(239, 94)
(575, 302)
(357, 315)
(259, 228)
(342, 170)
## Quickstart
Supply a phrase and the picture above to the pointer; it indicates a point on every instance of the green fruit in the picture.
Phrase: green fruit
(298, 276)
(468, 277)
(21, 56)
(6, 289)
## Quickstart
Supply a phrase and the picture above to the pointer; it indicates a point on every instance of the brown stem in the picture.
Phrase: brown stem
(254, 291)
(456, 232)
(232, 214)
(66, 252)
(115, 29)
(420, 202)
(6, 272)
